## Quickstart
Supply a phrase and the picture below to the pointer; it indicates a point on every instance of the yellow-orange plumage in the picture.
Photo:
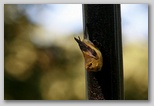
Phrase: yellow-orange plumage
(92, 55)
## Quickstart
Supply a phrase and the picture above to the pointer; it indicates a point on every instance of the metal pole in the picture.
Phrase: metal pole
(104, 28)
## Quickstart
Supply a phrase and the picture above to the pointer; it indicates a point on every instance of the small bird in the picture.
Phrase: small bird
(92, 55)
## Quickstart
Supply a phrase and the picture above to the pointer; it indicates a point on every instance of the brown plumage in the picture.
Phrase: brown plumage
(92, 55)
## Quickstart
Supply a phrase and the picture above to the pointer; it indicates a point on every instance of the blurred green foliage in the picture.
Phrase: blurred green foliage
(135, 59)
(57, 72)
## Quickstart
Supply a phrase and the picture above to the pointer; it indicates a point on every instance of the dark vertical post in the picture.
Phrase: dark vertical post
(104, 28)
